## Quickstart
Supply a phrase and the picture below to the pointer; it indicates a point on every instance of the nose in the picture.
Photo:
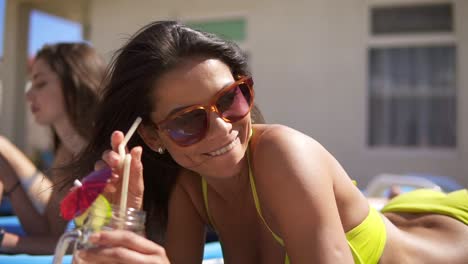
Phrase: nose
(217, 126)
(29, 94)
(28, 90)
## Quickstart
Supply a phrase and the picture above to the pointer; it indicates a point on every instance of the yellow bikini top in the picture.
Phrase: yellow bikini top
(255, 197)
(358, 237)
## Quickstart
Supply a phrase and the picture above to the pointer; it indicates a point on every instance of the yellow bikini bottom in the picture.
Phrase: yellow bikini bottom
(454, 204)
(367, 240)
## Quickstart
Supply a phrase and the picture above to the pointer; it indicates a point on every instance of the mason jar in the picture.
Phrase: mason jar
(130, 219)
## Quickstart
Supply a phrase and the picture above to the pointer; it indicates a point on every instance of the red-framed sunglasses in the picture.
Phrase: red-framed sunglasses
(190, 125)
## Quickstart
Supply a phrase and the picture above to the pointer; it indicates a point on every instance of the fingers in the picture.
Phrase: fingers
(112, 159)
(99, 165)
(136, 164)
(116, 138)
(127, 239)
(136, 186)
(118, 255)
(110, 188)
(120, 246)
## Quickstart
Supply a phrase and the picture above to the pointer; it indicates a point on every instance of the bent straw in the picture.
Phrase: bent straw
(126, 160)
(77, 183)
(127, 137)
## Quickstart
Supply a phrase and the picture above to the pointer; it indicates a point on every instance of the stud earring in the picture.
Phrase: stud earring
(160, 150)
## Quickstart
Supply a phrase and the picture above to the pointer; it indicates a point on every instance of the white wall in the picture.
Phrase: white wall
(309, 65)
(13, 73)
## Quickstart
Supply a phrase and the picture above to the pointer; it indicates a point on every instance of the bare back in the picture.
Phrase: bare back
(425, 238)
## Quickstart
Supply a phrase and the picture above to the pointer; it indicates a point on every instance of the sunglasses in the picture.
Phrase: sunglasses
(190, 125)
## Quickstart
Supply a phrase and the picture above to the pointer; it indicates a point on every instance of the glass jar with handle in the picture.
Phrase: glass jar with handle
(96, 220)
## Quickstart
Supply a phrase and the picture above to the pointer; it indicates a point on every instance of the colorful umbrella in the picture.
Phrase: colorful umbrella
(80, 198)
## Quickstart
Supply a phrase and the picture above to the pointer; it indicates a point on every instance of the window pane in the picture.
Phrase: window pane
(412, 96)
(45, 28)
(412, 19)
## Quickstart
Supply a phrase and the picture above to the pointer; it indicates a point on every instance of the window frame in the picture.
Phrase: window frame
(408, 40)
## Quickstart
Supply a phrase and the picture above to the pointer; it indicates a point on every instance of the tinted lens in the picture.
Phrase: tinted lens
(188, 128)
(235, 103)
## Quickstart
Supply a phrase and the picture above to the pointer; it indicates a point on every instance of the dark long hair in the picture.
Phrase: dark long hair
(81, 71)
(151, 52)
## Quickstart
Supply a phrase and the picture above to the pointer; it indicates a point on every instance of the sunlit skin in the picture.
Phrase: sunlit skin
(196, 82)
(45, 95)
(297, 189)
(306, 196)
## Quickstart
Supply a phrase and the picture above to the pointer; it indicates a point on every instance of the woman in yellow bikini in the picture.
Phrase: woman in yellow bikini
(272, 194)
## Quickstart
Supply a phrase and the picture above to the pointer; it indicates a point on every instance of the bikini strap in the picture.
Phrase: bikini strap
(257, 201)
(205, 199)
(205, 189)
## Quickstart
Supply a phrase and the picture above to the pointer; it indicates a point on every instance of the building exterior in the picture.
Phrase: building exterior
(341, 71)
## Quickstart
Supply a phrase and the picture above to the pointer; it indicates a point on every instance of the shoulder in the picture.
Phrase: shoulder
(292, 172)
(282, 136)
(282, 156)
(279, 142)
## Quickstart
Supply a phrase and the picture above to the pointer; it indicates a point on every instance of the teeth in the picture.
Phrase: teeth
(224, 149)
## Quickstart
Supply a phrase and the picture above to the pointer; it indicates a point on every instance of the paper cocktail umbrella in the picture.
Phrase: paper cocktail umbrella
(86, 192)
(81, 197)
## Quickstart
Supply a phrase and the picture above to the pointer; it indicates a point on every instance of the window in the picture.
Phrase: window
(412, 19)
(412, 77)
(45, 28)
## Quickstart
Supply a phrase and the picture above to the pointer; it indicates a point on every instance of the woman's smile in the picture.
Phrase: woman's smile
(225, 149)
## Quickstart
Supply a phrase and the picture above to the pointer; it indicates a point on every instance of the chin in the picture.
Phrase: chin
(42, 121)
(39, 120)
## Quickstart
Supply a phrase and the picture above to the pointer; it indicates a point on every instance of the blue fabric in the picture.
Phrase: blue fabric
(5, 207)
(11, 225)
(447, 183)
(213, 251)
(31, 259)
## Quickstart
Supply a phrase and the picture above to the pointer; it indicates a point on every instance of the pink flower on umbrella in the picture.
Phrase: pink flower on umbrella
(82, 197)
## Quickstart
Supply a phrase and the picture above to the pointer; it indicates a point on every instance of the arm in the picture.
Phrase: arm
(42, 228)
(16, 167)
(40, 245)
(294, 176)
(43, 240)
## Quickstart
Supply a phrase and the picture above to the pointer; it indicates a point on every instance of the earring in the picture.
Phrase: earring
(160, 150)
